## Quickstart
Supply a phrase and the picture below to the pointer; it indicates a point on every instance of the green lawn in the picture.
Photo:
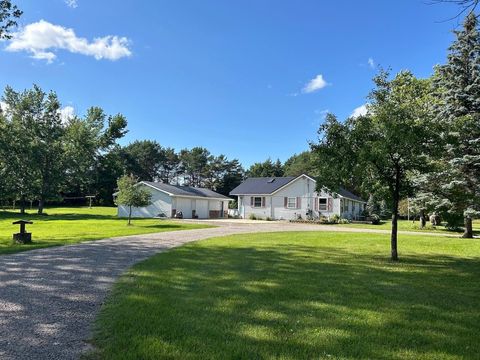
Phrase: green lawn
(71, 225)
(298, 296)
(405, 225)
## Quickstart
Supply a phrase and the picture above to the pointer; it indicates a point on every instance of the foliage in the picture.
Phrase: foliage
(383, 147)
(300, 164)
(457, 84)
(297, 295)
(87, 140)
(252, 216)
(143, 158)
(131, 194)
(9, 13)
(268, 168)
(31, 145)
(374, 219)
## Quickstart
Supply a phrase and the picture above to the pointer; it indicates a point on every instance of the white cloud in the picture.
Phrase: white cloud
(67, 113)
(359, 111)
(42, 38)
(371, 63)
(71, 3)
(315, 84)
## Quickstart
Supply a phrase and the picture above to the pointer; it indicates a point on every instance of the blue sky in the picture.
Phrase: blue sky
(232, 76)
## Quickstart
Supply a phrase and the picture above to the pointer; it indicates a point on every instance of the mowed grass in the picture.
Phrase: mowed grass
(405, 225)
(70, 225)
(298, 296)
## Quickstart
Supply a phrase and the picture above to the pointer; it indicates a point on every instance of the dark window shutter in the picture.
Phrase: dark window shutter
(299, 202)
(285, 201)
(316, 203)
(263, 201)
(330, 204)
(251, 201)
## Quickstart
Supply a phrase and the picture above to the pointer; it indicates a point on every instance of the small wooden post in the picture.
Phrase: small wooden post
(22, 237)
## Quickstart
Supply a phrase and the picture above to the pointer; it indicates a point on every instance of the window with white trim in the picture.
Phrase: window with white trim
(257, 201)
(292, 203)
(322, 204)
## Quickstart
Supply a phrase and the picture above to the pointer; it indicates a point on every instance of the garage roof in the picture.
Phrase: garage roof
(177, 190)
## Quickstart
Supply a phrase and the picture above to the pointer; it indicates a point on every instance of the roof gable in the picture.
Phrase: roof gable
(189, 191)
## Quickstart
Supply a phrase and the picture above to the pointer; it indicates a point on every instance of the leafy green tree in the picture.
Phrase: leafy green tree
(458, 110)
(48, 150)
(268, 168)
(19, 142)
(143, 159)
(300, 164)
(383, 147)
(86, 141)
(109, 168)
(132, 195)
(9, 13)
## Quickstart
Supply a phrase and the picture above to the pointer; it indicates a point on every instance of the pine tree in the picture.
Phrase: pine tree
(458, 90)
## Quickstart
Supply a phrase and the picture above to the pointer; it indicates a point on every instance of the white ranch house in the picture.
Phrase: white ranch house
(169, 200)
(288, 198)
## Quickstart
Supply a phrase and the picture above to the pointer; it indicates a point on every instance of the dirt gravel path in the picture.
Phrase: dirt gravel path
(49, 297)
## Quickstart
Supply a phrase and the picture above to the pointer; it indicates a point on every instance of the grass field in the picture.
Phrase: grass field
(71, 225)
(298, 296)
(405, 225)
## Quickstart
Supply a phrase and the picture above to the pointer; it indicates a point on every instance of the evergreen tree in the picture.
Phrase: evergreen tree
(458, 91)
(268, 168)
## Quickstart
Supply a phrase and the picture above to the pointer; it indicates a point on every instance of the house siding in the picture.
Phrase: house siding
(302, 188)
(161, 204)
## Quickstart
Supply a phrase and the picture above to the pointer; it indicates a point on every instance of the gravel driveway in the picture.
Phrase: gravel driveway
(49, 297)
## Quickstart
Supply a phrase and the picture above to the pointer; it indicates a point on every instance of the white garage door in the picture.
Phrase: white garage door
(185, 206)
(202, 209)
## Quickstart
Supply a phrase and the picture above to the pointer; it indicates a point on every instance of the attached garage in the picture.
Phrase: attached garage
(170, 200)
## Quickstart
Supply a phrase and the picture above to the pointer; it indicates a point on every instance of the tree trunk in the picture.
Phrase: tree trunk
(468, 233)
(423, 220)
(129, 214)
(396, 201)
(22, 205)
(41, 204)
(394, 234)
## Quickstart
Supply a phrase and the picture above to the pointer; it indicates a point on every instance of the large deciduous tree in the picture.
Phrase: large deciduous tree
(87, 140)
(384, 147)
(32, 144)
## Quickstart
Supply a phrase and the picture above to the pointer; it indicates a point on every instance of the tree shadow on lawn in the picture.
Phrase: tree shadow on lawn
(64, 216)
(297, 302)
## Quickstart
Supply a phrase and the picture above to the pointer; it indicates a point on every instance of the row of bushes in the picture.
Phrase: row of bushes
(255, 217)
(334, 219)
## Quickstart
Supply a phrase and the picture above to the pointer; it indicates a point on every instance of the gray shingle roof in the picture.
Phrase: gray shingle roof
(261, 185)
(348, 194)
(186, 190)
(268, 185)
